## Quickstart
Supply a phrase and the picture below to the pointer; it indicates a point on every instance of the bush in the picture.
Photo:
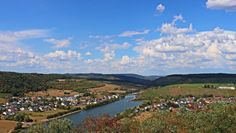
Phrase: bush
(66, 93)
(22, 117)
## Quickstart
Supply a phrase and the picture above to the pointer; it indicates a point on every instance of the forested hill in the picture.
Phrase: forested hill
(19, 83)
(194, 78)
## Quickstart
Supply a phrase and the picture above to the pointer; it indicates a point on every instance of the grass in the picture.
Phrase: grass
(108, 88)
(3, 95)
(3, 100)
(198, 86)
(53, 92)
(186, 89)
(38, 116)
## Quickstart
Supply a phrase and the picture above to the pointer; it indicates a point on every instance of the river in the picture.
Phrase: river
(112, 109)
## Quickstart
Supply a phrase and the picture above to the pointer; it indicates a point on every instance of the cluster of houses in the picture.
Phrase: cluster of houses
(41, 104)
(186, 104)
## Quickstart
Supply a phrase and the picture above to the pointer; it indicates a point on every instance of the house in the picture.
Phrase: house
(226, 88)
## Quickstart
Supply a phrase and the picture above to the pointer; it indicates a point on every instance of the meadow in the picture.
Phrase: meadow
(186, 89)
(39, 116)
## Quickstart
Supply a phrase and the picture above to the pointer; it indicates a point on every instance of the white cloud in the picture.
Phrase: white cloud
(111, 47)
(208, 49)
(178, 18)
(133, 33)
(12, 36)
(125, 60)
(103, 38)
(59, 43)
(88, 53)
(108, 56)
(3, 58)
(12, 52)
(168, 28)
(62, 55)
(171, 28)
(221, 4)
(160, 8)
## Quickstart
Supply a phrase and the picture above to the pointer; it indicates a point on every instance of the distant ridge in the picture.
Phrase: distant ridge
(194, 78)
(119, 78)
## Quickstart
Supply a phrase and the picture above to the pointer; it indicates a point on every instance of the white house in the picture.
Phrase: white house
(226, 88)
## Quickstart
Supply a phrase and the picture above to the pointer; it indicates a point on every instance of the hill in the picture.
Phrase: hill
(18, 84)
(133, 79)
(194, 78)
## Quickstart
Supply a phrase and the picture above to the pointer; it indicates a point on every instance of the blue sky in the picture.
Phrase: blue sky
(110, 36)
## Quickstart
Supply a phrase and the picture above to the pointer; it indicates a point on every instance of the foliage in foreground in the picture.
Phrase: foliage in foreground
(219, 118)
(56, 126)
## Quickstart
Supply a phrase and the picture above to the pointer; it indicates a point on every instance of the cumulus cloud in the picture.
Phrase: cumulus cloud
(171, 28)
(106, 63)
(125, 60)
(11, 51)
(109, 50)
(59, 43)
(208, 49)
(133, 33)
(160, 8)
(17, 57)
(221, 4)
(62, 55)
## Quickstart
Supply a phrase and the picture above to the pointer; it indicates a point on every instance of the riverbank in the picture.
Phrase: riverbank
(111, 108)
(88, 107)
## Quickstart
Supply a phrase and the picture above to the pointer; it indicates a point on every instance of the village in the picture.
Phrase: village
(189, 103)
(44, 103)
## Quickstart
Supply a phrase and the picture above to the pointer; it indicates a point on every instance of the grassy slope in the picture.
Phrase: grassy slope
(194, 78)
(186, 89)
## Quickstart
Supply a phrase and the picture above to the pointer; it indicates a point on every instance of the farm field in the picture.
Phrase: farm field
(186, 89)
(6, 126)
(53, 92)
(39, 116)
(108, 88)
(74, 84)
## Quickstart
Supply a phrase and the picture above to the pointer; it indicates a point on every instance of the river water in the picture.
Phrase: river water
(112, 109)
